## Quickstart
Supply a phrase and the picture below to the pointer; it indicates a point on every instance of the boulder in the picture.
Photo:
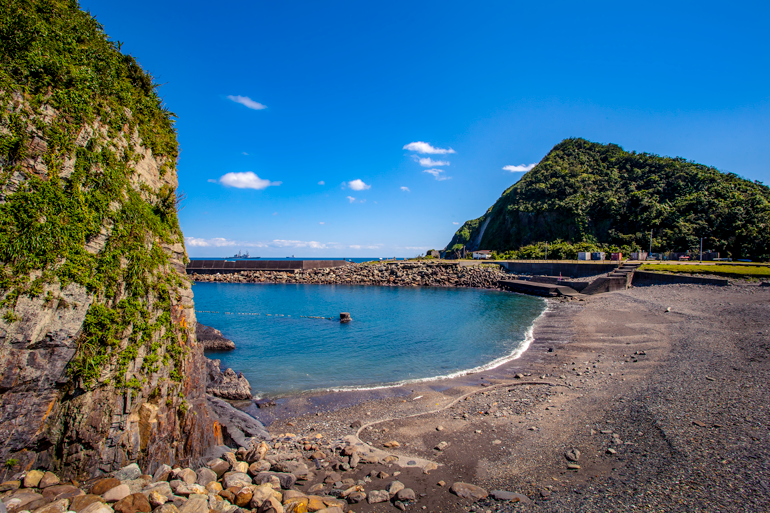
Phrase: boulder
(80, 502)
(226, 384)
(97, 507)
(501, 495)
(162, 488)
(162, 473)
(128, 472)
(468, 491)
(195, 506)
(205, 476)
(376, 496)
(407, 494)
(103, 485)
(259, 466)
(156, 499)
(117, 493)
(394, 487)
(238, 479)
(219, 466)
(212, 339)
(58, 492)
(32, 478)
(134, 503)
(167, 508)
(48, 479)
(60, 506)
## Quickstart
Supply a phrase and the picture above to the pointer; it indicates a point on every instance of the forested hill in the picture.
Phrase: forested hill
(598, 195)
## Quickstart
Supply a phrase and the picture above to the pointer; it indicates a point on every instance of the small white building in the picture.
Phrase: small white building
(482, 254)
(584, 255)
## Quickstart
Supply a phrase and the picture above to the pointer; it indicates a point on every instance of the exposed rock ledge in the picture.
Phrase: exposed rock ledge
(212, 339)
(226, 384)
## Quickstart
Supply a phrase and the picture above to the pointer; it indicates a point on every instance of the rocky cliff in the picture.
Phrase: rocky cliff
(99, 364)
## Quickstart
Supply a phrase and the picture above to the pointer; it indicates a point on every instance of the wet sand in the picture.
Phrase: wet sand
(679, 396)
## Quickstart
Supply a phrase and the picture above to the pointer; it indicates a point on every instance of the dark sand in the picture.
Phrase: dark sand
(689, 419)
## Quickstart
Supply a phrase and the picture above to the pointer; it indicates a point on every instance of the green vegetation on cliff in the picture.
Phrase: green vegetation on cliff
(73, 113)
(589, 195)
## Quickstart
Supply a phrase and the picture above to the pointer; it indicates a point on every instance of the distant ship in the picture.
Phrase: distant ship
(243, 256)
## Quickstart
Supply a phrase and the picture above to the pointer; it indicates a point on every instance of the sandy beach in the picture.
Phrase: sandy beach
(661, 390)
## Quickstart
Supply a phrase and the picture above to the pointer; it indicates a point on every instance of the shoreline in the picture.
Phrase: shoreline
(615, 385)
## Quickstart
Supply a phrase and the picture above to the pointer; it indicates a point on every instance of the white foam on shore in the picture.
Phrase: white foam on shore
(529, 337)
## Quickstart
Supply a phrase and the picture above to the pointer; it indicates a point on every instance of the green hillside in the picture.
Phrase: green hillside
(585, 194)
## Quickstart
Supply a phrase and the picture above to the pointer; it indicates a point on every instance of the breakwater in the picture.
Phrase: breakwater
(433, 274)
(236, 266)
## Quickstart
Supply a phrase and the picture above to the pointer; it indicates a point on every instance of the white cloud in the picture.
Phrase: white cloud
(321, 183)
(358, 185)
(244, 153)
(211, 180)
(275, 213)
(351, 199)
(220, 242)
(321, 222)
(247, 180)
(437, 174)
(453, 222)
(405, 189)
(520, 169)
(247, 102)
(429, 162)
(423, 147)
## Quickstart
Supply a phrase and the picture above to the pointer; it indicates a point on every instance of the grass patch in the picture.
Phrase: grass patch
(727, 270)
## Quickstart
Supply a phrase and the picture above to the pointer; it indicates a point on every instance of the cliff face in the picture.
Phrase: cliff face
(585, 192)
(99, 364)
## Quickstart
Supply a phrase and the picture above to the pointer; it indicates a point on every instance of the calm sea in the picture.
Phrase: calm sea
(398, 334)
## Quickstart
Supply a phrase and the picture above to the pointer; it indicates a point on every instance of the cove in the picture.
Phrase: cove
(398, 334)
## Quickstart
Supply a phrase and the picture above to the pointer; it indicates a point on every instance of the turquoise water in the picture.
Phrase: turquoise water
(398, 334)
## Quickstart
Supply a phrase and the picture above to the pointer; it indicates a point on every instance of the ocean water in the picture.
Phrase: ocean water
(398, 334)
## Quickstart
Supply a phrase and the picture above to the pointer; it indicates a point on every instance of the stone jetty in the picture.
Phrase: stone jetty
(408, 274)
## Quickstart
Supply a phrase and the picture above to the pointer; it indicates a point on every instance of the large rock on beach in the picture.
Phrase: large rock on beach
(226, 384)
(469, 491)
(212, 339)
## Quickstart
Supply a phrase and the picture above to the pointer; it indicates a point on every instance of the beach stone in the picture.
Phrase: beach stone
(468, 491)
(257, 453)
(572, 455)
(356, 424)
(243, 497)
(441, 446)
(163, 488)
(501, 495)
(167, 508)
(58, 492)
(219, 466)
(205, 476)
(134, 503)
(286, 481)
(241, 467)
(270, 505)
(376, 496)
(238, 479)
(103, 485)
(128, 472)
(48, 479)
(230, 458)
(21, 498)
(394, 487)
(162, 473)
(355, 459)
(97, 507)
(260, 494)
(195, 506)
(156, 499)
(356, 497)
(407, 494)
(331, 509)
(117, 493)
(292, 494)
(214, 487)
(332, 477)
(391, 444)
(136, 485)
(82, 501)
(291, 467)
(259, 466)
(9, 485)
(32, 479)
(187, 475)
(316, 488)
(315, 503)
(573, 466)
(59, 506)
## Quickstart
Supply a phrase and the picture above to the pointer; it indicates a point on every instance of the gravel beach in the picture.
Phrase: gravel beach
(651, 398)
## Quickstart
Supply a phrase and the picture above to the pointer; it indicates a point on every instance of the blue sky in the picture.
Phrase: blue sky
(295, 119)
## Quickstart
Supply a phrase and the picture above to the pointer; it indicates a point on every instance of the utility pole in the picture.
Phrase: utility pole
(701, 249)
(546, 250)
(650, 253)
